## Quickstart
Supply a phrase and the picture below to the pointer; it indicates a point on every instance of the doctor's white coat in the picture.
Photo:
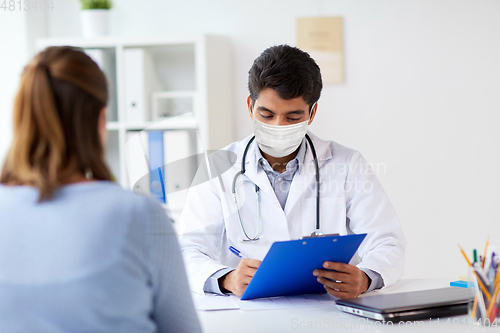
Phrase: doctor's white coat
(352, 201)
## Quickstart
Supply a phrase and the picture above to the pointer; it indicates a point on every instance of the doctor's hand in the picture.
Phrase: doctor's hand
(342, 280)
(237, 281)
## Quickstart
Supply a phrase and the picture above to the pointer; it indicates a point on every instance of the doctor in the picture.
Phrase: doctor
(271, 193)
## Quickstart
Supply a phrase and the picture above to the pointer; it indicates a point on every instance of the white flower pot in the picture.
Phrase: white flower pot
(94, 22)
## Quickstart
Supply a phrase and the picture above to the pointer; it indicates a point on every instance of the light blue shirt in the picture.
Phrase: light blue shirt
(95, 258)
(281, 183)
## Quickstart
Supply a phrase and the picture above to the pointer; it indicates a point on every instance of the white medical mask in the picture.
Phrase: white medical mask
(279, 141)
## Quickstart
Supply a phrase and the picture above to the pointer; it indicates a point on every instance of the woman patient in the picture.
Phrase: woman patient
(78, 253)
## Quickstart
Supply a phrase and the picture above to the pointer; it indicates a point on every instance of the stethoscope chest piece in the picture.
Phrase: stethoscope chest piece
(241, 240)
(316, 234)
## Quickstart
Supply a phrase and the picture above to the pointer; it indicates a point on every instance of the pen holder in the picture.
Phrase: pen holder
(483, 310)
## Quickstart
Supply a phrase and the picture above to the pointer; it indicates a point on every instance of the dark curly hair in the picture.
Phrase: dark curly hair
(289, 71)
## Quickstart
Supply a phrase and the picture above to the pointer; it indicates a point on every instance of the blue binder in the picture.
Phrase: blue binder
(156, 162)
(287, 268)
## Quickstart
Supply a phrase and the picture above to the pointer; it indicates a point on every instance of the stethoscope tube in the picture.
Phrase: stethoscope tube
(313, 150)
(242, 171)
(242, 165)
(257, 189)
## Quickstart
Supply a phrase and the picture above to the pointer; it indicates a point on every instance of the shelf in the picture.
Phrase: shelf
(176, 123)
(174, 207)
(125, 41)
(175, 94)
(194, 77)
(112, 126)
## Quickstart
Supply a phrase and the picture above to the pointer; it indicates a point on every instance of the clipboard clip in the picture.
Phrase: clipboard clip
(319, 234)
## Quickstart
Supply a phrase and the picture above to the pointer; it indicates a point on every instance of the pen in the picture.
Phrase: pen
(484, 279)
(481, 285)
(474, 255)
(492, 269)
(483, 288)
(495, 260)
(236, 252)
(485, 249)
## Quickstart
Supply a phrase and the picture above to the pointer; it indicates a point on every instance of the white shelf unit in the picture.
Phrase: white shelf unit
(185, 66)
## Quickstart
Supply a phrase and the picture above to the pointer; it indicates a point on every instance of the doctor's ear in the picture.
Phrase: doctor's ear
(249, 104)
(312, 113)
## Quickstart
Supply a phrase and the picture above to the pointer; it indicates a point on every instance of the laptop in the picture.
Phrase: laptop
(426, 304)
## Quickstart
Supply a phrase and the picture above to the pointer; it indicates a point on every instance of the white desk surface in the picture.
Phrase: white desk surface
(330, 319)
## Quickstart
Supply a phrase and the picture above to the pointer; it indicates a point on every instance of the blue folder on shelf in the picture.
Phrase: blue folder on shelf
(287, 268)
(156, 162)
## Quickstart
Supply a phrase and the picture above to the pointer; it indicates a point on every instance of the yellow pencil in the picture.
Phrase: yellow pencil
(465, 256)
(474, 308)
(483, 288)
(485, 249)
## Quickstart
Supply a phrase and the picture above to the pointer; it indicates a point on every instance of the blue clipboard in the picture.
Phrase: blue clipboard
(287, 268)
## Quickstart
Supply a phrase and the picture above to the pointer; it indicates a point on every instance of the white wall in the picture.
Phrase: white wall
(421, 97)
(12, 58)
(18, 32)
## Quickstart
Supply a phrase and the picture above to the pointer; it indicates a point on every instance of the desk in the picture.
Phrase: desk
(330, 319)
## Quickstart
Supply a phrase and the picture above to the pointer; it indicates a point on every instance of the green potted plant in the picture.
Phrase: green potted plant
(94, 16)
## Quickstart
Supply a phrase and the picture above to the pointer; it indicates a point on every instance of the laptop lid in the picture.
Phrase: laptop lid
(426, 303)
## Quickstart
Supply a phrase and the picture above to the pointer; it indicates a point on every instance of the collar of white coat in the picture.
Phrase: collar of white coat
(323, 151)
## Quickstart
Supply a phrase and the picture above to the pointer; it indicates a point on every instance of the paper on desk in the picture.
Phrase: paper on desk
(213, 302)
(284, 302)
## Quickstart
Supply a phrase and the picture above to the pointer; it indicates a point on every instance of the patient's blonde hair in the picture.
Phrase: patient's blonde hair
(56, 112)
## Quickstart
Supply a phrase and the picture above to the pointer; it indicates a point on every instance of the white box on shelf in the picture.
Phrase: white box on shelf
(140, 81)
(167, 104)
(106, 60)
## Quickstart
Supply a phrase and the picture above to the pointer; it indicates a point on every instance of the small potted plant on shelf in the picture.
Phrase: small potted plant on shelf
(94, 16)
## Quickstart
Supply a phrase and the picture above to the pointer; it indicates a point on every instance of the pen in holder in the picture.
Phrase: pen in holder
(484, 309)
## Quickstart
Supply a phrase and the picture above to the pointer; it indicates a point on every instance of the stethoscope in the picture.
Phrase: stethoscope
(316, 233)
